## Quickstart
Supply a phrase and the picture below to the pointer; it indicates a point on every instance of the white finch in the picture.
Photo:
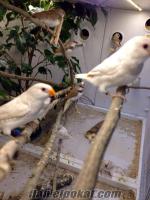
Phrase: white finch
(25, 108)
(122, 67)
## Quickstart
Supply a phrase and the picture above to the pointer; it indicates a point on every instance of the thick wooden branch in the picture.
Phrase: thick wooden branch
(41, 24)
(9, 150)
(32, 182)
(57, 165)
(86, 180)
(24, 78)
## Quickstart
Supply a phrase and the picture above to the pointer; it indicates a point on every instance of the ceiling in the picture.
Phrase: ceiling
(144, 4)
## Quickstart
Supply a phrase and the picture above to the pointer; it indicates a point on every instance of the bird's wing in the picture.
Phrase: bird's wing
(109, 67)
(14, 109)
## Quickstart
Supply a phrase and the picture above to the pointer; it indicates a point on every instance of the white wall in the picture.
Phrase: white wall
(129, 23)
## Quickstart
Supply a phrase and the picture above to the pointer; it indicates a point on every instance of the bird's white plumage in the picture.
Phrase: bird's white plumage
(122, 67)
(25, 108)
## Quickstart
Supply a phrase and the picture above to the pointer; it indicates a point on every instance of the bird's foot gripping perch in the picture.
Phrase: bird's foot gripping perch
(116, 95)
(119, 95)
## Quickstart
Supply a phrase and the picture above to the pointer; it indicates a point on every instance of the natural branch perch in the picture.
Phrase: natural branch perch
(9, 150)
(41, 24)
(57, 165)
(32, 182)
(88, 175)
(24, 78)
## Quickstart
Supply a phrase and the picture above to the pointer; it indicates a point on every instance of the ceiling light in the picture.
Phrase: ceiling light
(135, 5)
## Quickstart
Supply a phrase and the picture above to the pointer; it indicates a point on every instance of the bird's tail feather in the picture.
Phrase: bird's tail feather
(81, 76)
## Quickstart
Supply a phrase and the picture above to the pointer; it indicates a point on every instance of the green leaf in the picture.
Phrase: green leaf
(75, 59)
(49, 56)
(3, 93)
(29, 39)
(75, 63)
(8, 45)
(60, 61)
(59, 58)
(13, 34)
(66, 80)
(15, 87)
(5, 83)
(42, 70)
(9, 85)
(92, 16)
(13, 68)
(2, 68)
(26, 68)
(20, 44)
(2, 12)
(11, 16)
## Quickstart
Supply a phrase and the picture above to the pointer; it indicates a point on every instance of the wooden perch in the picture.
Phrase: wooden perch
(54, 188)
(32, 182)
(8, 151)
(86, 180)
(24, 78)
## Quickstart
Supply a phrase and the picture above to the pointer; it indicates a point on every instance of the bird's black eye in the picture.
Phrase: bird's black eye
(145, 46)
(43, 89)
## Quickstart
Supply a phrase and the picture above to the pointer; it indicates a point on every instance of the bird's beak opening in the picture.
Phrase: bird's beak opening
(52, 92)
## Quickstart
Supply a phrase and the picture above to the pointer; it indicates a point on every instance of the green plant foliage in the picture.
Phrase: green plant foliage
(76, 65)
(2, 12)
(10, 85)
(27, 41)
(26, 68)
(3, 93)
(49, 56)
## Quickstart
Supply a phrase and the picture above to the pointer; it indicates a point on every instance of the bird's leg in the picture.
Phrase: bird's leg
(57, 32)
(54, 35)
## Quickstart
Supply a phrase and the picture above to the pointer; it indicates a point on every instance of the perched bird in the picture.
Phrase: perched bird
(121, 68)
(25, 108)
(116, 41)
(52, 18)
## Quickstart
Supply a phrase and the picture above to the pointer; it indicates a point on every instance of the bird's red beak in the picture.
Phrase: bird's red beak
(52, 92)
